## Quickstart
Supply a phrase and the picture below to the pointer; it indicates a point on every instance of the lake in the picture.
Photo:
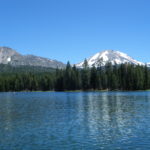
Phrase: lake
(75, 121)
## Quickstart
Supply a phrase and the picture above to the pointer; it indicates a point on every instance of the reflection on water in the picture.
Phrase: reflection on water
(80, 120)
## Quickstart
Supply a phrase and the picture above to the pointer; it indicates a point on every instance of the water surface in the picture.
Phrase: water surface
(75, 121)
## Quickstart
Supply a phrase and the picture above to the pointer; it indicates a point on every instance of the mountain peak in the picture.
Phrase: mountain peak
(10, 56)
(112, 56)
(7, 50)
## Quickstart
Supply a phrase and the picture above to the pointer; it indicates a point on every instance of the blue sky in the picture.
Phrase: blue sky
(75, 29)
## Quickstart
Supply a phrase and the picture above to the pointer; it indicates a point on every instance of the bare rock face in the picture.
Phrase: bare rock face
(10, 56)
(6, 55)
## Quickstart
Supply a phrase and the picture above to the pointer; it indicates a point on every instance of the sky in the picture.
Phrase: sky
(72, 30)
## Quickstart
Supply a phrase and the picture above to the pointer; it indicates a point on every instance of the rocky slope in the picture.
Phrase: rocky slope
(10, 56)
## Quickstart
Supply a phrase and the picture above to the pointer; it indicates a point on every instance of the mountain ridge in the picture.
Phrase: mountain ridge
(12, 57)
(109, 56)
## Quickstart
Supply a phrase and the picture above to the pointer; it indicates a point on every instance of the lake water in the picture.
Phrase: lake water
(75, 121)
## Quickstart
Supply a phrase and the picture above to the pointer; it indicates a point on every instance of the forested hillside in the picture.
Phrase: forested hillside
(118, 77)
(22, 69)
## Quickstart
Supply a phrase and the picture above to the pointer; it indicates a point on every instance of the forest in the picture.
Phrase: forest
(125, 77)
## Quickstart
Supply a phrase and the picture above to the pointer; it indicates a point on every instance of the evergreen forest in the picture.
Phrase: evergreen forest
(111, 77)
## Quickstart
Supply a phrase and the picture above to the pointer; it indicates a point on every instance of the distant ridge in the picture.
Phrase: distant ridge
(111, 56)
(10, 56)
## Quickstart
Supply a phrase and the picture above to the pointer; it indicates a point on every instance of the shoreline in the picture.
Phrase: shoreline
(77, 91)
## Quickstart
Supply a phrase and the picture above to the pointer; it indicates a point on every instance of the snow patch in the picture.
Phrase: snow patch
(104, 56)
(9, 59)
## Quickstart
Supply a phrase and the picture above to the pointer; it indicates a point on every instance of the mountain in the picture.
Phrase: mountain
(10, 56)
(148, 64)
(112, 56)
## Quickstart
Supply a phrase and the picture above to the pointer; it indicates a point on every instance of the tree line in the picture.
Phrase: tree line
(109, 77)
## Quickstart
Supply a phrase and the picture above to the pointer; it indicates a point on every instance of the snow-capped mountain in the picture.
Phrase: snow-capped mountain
(112, 56)
(10, 56)
(148, 64)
